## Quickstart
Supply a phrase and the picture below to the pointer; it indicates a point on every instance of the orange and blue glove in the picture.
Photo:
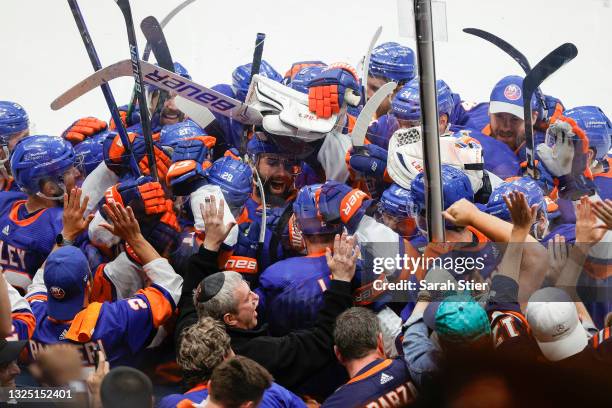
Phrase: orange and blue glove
(339, 202)
(334, 86)
(190, 159)
(143, 193)
(83, 128)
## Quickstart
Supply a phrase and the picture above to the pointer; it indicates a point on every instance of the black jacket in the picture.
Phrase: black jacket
(291, 359)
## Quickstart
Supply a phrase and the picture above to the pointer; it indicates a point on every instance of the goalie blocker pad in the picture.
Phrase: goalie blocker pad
(285, 111)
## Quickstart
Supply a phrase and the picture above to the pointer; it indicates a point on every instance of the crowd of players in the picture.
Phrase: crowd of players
(104, 267)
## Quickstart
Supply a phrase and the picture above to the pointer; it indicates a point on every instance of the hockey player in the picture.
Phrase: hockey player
(505, 114)
(59, 296)
(291, 290)
(394, 208)
(497, 204)
(390, 62)
(228, 130)
(14, 126)
(43, 167)
(90, 152)
(375, 381)
(598, 129)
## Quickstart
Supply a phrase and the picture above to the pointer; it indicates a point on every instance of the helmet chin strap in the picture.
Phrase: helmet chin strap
(62, 187)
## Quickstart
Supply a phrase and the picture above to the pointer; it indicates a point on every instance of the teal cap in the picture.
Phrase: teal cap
(458, 319)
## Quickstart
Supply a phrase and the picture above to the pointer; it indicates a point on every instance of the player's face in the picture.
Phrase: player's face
(246, 313)
(508, 129)
(277, 173)
(170, 114)
(8, 372)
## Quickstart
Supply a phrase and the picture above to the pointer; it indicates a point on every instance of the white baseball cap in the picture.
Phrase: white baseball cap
(553, 318)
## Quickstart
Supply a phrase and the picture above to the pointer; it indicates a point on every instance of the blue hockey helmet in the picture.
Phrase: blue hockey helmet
(396, 201)
(596, 125)
(38, 158)
(241, 77)
(406, 104)
(235, 179)
(259, 144)
(90, 152)
(171, 135)
(304, 76)
(533, 193)
(455, 186)
(13, 119)
(392, 61)
(306, 210)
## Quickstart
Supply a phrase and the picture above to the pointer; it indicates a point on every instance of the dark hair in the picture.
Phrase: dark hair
(126, 387)
(238, 380)
(356, 333)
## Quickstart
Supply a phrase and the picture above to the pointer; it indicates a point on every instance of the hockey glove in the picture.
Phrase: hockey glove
(82, 129)
(143, 192)
(190, 159)
(339, 202)
(336, 85)
(134, 119)
(370, 160)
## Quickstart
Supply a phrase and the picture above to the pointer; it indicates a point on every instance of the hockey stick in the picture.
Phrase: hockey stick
(169, 81)
(515, 54)
(147, 50)
(545, 68)
(145, 121)
(366, 64)
(155, 38)
(106, 91)
(257, 54)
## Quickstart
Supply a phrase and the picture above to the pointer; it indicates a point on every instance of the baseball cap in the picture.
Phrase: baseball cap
(457, 319)
(554, 322)
(9, 350)
(66, 274)
(507, 97)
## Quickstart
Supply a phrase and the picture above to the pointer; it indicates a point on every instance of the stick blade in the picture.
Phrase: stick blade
(548, 66)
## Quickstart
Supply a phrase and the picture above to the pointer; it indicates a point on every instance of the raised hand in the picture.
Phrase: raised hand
(216, 230)
(603, 211)
(558, 252)
(587, 230)
(124, 223)
(460, 212)
(74, 223)
(522, 216)
(343, 261)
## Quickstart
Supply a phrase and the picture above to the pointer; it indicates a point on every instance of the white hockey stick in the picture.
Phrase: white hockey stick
(168, 81)
(366, 62)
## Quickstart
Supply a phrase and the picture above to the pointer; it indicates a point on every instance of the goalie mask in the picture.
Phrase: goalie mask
(405, 159)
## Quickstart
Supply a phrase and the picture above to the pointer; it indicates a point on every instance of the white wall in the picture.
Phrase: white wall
(41, 53)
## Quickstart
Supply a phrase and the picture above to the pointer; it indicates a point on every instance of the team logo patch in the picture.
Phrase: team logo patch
(512, 92)
(57, 292)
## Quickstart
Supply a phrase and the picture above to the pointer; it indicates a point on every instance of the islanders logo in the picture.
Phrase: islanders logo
(512, 92)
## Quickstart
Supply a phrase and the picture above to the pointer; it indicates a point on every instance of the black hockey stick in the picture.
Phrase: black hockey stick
(147, 50)
(545, 68)
(108, 95)
(145, 122)
(155, 38)
(257, 54)
(515, 54)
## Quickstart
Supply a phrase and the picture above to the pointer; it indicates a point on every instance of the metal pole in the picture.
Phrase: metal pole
(429, 120)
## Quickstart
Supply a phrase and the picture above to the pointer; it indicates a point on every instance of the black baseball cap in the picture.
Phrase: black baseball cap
(10, 350)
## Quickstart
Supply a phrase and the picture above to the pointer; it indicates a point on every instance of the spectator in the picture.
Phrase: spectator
(9, 353)
(293, 358)
(126, 387)
(238, 382)
(375, 380)
(57, 366)
(59, 295)
(204, 346)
